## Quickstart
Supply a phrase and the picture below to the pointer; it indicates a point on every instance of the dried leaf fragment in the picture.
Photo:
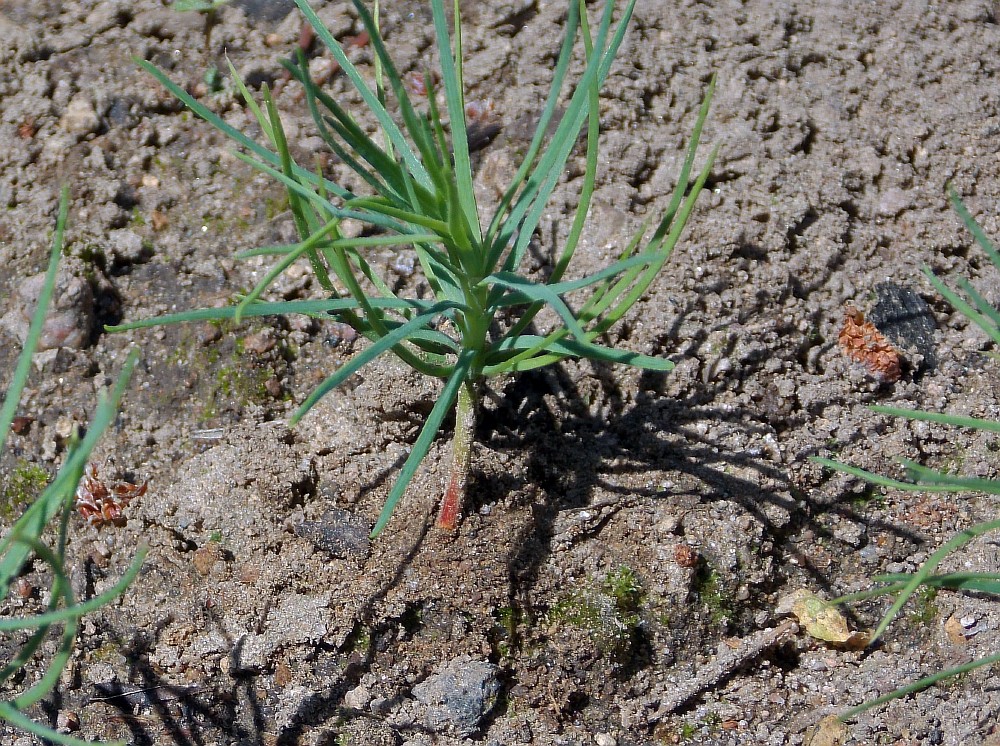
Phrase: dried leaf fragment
(960, 629)
(103, 504)
(827, 732)
(821, 619)
(685, 555)
(862, 342)
(955, 631)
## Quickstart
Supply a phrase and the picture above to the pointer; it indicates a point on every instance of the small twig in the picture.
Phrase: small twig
(175, 691)
(727, 662)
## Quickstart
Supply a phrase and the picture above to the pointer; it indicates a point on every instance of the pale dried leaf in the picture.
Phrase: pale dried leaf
(827, 732)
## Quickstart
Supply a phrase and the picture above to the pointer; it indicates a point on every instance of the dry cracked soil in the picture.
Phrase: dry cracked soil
(627, 536)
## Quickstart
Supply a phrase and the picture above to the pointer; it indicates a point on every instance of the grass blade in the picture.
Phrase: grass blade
(964, 308)
(973, 227)
(981, 582)
(251, 103)
(956, 542)
(523, 171)
(315, 308)
(558, 349)
(530, 205)
(225, 128)
(371, 100)
(946, 419)
(423, 443)
(286, 261)
(982, 305)
(916, 686)
(301, 178)
(533, 292)
(590, 168)
(931, 478)
(361, 242)
(627, 299)
(13, 396)
(348, 130)
(23, 540)
(386, 342)
(451, 79)
(561, 288)
(14, 716)
(84, 607)
(877, 479)
(44, 509)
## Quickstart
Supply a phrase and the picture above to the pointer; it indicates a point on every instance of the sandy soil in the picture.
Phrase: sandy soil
(628, 536)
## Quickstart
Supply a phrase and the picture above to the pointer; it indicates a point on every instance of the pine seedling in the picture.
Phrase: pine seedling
(419, 192)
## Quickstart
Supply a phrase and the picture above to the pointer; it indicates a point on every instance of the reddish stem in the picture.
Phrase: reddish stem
(461, 458)
(453, 496)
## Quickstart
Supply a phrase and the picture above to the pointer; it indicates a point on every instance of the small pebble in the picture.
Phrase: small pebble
(404, 265)
(209, 333)
(24, 588)
(71, 318)
(273, 386)
(126, 246)
(67, 721)
(893, 202)
(80, 117)
(19, 425)
(358, 697)
(260, 342)
(459, 695)
(205, 557)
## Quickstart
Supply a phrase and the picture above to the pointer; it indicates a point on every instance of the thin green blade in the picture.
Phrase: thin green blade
(423, 443)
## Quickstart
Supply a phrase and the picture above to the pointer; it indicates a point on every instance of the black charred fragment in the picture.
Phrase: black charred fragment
(906, 319)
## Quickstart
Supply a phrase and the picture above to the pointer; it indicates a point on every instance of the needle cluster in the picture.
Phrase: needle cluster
(416, 190)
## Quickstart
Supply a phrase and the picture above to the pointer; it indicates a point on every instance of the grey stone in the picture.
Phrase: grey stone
(70, 319)
(459, 695)
(127, 247)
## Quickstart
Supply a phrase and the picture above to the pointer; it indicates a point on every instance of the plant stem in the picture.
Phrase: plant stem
(211, 18)
(461, 456)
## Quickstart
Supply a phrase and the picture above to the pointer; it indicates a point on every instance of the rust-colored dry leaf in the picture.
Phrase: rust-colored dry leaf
(103, 504)
(862, 342)
(685, 555)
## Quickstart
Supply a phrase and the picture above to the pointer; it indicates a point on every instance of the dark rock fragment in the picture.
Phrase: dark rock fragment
(338, 533)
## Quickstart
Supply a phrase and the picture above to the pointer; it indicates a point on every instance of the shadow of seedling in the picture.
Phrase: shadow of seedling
(652, 435)
(577, 449)
(153, 709)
